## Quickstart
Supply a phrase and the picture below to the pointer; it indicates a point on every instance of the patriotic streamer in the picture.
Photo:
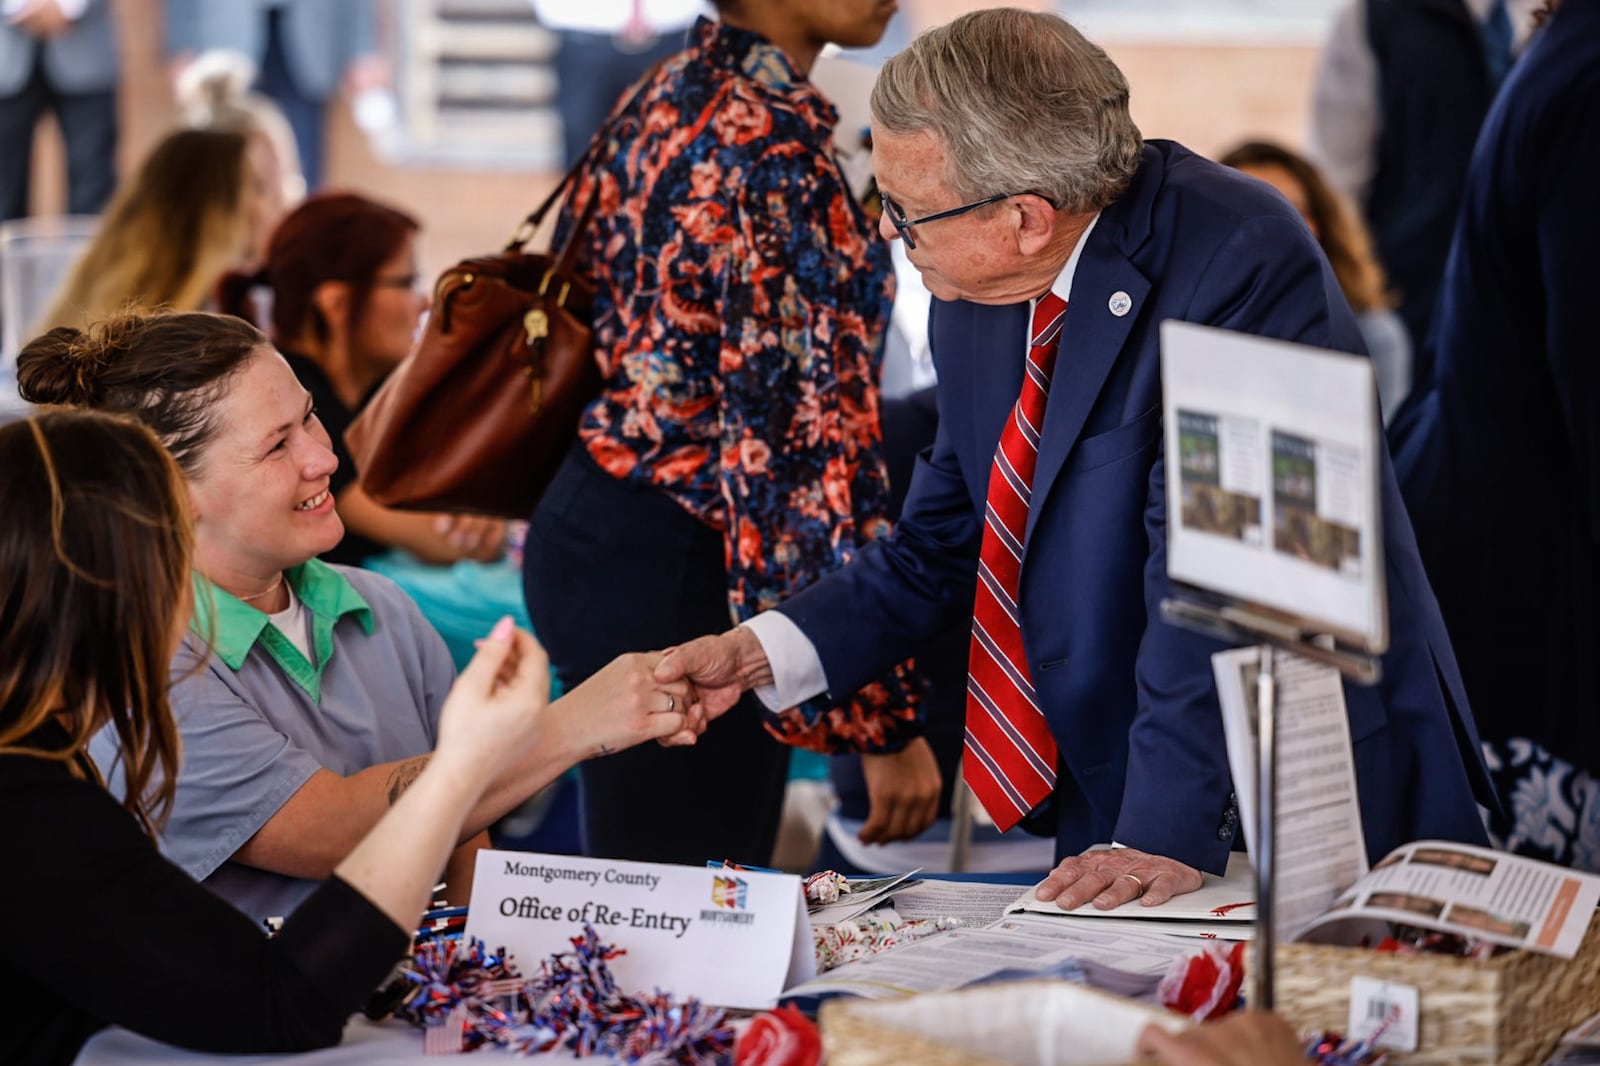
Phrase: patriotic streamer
(467, 997)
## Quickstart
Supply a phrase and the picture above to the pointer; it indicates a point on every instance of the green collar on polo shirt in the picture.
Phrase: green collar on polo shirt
(234, 627)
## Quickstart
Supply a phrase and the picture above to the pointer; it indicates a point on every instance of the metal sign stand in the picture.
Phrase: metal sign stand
(1240, 624)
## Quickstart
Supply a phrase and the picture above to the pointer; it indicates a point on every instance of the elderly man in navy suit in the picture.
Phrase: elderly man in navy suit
(1055, 241)
(58, 56)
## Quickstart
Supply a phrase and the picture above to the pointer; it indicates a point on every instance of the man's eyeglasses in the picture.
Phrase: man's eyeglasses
(904, 224)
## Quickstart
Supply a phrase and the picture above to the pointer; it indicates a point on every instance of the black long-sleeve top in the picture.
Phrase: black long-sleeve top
(101, 930)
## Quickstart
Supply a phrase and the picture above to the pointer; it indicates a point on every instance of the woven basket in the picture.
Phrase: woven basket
(1509, 1010)
(1013, 1023)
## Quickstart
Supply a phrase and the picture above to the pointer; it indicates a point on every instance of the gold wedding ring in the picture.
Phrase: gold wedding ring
(672, 703)
(1136, 881)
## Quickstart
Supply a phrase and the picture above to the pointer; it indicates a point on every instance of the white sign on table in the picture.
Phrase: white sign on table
(734, 938)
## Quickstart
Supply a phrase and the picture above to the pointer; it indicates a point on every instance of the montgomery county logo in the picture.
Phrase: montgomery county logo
(728, 892)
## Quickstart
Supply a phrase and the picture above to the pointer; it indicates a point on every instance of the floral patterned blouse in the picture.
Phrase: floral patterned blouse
(742, 300)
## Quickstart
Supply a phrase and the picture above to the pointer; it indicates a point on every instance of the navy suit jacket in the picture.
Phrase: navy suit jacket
(1131, 699)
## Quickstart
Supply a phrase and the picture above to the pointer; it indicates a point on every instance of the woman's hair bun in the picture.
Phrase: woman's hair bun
(213, 87)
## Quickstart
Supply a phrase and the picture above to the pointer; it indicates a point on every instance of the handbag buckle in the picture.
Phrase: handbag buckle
(536, 324)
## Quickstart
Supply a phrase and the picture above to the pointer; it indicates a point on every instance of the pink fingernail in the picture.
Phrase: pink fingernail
(502, 630)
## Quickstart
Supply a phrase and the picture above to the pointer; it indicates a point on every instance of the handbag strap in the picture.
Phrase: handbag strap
(530, 225)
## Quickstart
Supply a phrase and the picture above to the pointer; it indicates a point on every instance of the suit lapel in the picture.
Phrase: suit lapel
(1091, 339)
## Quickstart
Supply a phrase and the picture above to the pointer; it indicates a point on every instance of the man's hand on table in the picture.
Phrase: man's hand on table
(1112, 878)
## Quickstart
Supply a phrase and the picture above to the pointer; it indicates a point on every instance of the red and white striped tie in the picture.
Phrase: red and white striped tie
(1010, 755)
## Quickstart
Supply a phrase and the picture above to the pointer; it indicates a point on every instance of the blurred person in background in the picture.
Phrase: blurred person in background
(58, 56)
(604, 47)
(214, 93)
(735, 452)
(1344, 240)
(1401, 89)
(303, 50)
(346, 301)
(1499, 452)
(199, 205)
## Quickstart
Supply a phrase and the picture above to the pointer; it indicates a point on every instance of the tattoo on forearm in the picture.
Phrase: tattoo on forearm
(401, 777)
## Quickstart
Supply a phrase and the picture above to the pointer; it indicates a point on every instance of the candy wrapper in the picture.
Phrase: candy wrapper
(868, 934)
(1205, 985)
(826, 887)
(467, 997)
(781, 1037)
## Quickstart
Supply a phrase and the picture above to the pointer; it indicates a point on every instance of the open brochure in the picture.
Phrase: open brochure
(1229, 898)
(1473, 892)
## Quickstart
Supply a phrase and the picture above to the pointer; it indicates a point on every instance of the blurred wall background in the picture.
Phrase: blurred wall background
(1205, 72)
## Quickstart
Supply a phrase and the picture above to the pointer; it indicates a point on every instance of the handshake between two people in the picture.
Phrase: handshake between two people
(499, 709)
(903, 786)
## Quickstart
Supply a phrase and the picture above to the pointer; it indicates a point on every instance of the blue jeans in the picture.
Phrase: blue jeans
(88, 126)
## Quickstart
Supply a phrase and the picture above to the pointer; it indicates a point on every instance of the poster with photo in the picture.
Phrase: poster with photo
(1220, 497)
(1274, 506)
(1305, 474)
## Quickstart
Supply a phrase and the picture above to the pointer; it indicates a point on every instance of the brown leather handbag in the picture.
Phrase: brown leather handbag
(479, 416)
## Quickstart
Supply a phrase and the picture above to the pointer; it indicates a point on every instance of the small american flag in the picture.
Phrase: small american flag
(505, 986)
(446, 1037)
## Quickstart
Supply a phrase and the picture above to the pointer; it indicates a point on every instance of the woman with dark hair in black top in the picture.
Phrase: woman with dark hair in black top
(95, 556)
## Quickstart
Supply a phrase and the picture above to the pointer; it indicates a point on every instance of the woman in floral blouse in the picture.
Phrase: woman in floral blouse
(734, 455)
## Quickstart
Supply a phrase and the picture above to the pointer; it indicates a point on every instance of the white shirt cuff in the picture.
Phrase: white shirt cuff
(797, 672)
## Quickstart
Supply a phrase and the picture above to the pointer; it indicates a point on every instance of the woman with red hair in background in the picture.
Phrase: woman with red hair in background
(346, 300)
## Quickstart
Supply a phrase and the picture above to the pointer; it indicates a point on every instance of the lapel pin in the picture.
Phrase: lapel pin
(1120, 303)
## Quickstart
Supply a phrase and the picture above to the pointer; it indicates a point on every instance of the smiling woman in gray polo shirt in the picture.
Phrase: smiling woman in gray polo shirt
(307, 695)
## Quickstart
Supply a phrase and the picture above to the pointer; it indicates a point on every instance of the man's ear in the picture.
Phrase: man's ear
(1037, 223)
(332, 301)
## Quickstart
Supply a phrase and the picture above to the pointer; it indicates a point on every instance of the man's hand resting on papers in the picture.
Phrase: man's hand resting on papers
(904, 791)
(1112, 878)
(1249, 1038)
